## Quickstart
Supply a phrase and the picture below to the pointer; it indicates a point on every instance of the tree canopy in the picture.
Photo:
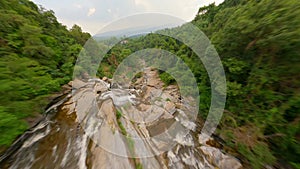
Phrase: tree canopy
(37, 57)
(257, 40)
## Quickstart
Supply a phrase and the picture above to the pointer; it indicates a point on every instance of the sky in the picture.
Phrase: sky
(92, 15)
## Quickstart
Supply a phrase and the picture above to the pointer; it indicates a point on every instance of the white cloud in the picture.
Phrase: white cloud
(91, 11)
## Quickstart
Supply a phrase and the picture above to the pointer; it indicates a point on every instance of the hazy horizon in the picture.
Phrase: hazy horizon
(92, 15)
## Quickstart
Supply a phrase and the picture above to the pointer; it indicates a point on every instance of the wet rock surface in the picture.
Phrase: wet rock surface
(97, 126)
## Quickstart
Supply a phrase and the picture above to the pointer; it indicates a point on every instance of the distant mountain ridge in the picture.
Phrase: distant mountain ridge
(134, 30)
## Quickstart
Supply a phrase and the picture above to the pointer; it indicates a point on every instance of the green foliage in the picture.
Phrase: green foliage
(258, 156)
(257, 41)
(258, 45)
(139, 166)
(296, 165)
(260, 52)
(118, 114)
(37, 57)
(167, 78)
(10, 127)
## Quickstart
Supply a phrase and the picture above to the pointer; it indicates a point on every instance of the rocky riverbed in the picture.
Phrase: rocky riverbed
(101, 125)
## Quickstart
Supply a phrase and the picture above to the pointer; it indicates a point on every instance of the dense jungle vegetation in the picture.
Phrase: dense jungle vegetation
(37, 57)
(258, 42)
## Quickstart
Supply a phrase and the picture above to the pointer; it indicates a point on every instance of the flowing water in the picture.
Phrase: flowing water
(103, 127)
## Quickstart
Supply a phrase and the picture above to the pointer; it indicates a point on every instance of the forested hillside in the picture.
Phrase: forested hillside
(258, 42)
(37, 54)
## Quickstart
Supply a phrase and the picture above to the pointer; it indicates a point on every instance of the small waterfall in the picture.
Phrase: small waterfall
(95, 126)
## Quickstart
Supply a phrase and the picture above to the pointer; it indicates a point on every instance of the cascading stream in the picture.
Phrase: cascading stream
(99, 127)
